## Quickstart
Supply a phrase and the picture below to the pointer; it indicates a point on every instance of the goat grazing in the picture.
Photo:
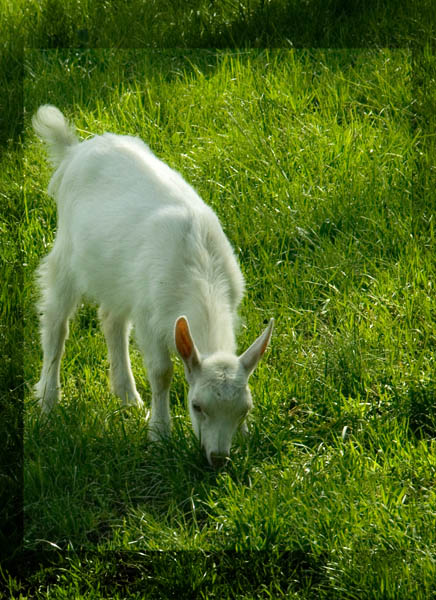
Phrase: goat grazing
(136, 238)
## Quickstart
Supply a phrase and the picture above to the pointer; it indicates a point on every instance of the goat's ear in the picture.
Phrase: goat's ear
(254, 353)
(185, 345)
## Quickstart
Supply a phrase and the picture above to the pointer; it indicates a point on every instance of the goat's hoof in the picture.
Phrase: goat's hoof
(132, 400)
(244, 429)
(137, 402)
(47, 399)
(158, 432)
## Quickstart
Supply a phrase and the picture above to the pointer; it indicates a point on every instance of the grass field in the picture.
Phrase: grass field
(311, 159)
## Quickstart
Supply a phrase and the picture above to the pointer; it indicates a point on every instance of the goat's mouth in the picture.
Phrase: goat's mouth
(218, 461)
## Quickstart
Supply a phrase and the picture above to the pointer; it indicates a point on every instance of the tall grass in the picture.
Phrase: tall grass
(308, 158)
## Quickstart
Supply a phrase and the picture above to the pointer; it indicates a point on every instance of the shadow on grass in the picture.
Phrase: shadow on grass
(187, 574)
(84, 472)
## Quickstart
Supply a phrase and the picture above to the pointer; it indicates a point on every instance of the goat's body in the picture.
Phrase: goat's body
(137, 239)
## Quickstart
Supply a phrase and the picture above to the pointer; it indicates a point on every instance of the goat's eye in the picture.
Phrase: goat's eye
(197, 408)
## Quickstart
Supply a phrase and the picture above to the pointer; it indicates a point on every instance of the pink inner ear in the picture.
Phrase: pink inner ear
(183, 339)
(264, 346)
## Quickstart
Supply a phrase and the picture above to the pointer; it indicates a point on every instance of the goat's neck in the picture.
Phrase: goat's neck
(212, 326)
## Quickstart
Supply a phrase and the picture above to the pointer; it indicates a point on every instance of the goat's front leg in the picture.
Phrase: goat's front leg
(116, 331)
(160, 371)
(160, 420)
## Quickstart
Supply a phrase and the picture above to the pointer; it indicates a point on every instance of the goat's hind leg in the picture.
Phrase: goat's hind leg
(116, 331)
(58, 300)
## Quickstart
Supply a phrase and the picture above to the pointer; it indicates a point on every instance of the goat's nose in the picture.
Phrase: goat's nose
(218, 460)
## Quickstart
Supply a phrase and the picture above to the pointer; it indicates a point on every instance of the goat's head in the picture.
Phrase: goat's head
(219, 398)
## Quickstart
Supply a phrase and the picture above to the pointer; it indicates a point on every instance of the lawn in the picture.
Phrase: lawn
(310, 158)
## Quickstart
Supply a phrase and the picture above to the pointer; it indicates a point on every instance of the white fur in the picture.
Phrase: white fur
(136, 238)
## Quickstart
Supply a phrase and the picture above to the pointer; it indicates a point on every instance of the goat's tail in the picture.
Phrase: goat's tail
(51, 125)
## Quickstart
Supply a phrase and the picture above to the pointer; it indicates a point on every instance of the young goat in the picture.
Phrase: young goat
(136, 238)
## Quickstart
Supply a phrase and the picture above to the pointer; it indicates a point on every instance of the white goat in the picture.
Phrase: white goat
(136, 238)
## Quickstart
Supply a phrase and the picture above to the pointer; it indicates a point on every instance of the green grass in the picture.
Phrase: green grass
(310, 159)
